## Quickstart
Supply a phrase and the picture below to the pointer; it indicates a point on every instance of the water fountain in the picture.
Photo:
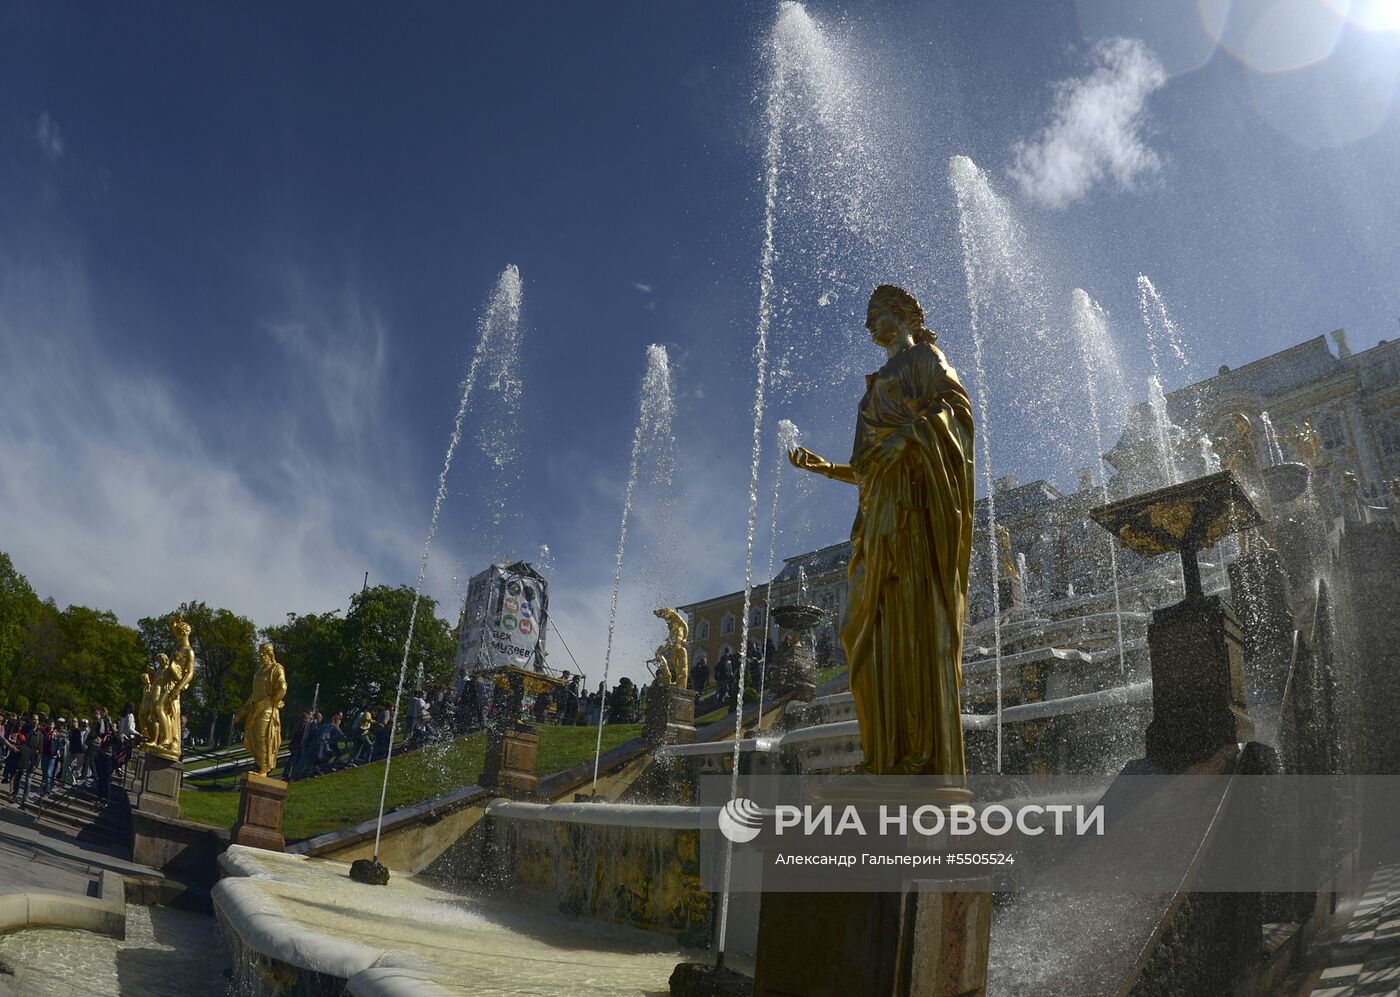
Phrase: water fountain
(1096, 347)
(652, 441)
(499, 323)
(979, 211)
(788, 439)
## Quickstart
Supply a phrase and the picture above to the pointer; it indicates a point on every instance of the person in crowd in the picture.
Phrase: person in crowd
(419, 714)
(126, 726)
(310, 747)
(102, 723)
(51, 745)
(75, 767)
(102, 762)
(19, 765)
(571, 697)
(296, 744)
(185, 737)
(363, 738)
(699, 675)
(383, 730)
(331, 743)
(724, 675)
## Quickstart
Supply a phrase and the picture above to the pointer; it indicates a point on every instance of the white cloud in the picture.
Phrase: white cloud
(50, 137)
(642, 287)
(118, 491)
(1095, 130)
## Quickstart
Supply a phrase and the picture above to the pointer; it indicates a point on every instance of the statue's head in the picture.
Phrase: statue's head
(180, 628)
(893, 310)
(163, 659)
(267, 653)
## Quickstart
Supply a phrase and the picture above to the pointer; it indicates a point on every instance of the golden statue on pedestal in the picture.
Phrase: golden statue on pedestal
(174, 678)
(911, 547)
(147, 715)
(1008, 559)
(673, 654)
(1305, 442)
(262, 730)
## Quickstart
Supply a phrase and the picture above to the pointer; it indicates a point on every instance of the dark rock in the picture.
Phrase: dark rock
(695, 979)
(368, 872)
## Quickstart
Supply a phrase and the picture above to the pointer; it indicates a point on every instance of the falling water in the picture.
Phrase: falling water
(652, 438)
(1162, 428)
(1271, 438)
(500, 322)
(1091, 328)
(975, 196)
(1162, 334)
(788, 438)
(1208, 455)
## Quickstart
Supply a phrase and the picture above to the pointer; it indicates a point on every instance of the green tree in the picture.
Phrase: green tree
(374, 634)
(19, 610)
(312, 650)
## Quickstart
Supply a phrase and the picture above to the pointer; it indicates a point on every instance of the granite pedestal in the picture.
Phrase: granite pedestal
(510, 760)
(1199, 702)
(158, 781)
(670, 715)
(260, 813)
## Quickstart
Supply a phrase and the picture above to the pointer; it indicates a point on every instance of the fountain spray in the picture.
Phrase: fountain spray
(1091, 326)
(788, 439)
(655, 410)
(972, 190)
(501, 320)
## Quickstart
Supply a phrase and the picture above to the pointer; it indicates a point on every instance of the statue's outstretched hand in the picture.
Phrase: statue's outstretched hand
(808, 461)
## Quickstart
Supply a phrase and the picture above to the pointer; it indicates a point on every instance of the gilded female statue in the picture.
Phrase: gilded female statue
(911, 545)
(262, 730)
(173, 680)
(147, 715)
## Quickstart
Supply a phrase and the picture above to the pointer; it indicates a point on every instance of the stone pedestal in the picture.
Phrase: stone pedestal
(1199, 703)
(260, 813)
(670, 715)
(510, 760)
(919, 943)
(158, 782)
(794, 669)
(1259, 595)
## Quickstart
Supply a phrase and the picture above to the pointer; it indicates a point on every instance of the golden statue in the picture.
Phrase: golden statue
(174, 678)
(674, 655)
(146, 716)
(1305, 442)
(262, 730)
(1008, 560)
(911, 545)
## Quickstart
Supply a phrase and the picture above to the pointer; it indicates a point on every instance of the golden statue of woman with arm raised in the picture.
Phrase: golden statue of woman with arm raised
(911, 546)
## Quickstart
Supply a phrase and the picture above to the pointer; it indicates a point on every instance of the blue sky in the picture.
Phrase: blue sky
(243, 251)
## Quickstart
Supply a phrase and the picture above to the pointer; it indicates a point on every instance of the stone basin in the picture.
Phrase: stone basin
(797, 618)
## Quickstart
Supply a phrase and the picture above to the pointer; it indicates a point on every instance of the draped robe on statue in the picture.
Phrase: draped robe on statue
(911, 545)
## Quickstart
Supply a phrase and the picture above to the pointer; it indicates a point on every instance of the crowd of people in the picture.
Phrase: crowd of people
(41, 754)
(54, 752)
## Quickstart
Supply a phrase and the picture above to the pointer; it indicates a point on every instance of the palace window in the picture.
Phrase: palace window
(1330, 431)
(703, 632)
(726, 625)
(1390, 438)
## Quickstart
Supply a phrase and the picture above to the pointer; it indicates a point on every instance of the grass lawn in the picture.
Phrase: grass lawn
(315, 806)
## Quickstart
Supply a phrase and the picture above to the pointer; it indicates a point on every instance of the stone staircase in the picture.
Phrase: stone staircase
(77, 811)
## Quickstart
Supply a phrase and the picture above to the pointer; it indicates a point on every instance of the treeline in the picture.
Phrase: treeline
(68, 662)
